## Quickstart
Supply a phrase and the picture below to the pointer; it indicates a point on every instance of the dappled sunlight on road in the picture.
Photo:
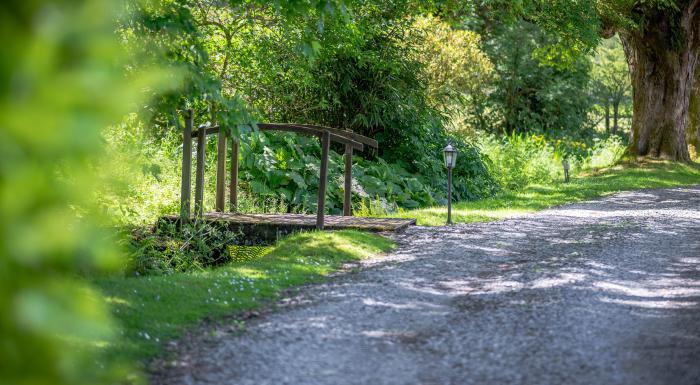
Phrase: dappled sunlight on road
(572, 246)
(649, 304)
(581, 213)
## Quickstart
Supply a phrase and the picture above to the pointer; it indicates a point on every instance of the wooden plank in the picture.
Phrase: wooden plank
(233, 186)
(300, 129)
(345, 133)
(323, 180)
(337, 135)
(289, 128)
(347, 199)
(199, 175)
(348, 142)
(209, 130)
(267, 227)
(185, 192)
(221, 171)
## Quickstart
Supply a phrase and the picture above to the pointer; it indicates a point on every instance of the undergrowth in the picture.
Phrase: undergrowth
(167, 248)
(520, 160)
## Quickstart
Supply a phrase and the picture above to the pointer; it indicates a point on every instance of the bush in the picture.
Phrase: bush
(604, 153)
(62, 85)
(521, 159)
(142, 173)
(166, 248)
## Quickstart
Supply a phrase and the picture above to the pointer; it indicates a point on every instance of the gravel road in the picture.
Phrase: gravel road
(601, 292)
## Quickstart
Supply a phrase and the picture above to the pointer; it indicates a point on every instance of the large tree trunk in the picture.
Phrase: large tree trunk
(662, 63)
(693, 132)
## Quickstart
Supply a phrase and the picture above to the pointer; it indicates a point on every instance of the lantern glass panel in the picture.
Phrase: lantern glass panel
(450, 156)
(448, 159)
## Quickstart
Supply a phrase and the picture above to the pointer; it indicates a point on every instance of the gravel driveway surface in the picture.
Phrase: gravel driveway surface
(602, 292)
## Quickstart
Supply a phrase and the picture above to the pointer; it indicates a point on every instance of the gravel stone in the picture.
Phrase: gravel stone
(601, 292)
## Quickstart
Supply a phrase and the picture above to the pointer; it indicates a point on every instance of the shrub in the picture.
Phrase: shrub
(166, 248)
(604, 153)
(62, 86)
(143, 173)
(521, 159)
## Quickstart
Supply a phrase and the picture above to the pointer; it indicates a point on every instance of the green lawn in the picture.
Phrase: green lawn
(584, 186)
(157, 309)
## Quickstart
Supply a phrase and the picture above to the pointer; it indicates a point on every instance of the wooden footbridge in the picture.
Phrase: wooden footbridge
(269, 224)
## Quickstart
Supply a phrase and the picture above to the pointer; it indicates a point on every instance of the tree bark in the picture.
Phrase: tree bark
(662, 66)
(616, 114)
(693, 132)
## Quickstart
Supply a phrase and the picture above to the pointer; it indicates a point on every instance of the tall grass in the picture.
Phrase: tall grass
(604, 153)
(520, 160)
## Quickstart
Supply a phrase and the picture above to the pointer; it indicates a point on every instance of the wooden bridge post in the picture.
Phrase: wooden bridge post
(233, 186)
(347, 199)
(323, 180)
(221, 171)
(199, 175)
(185, 192)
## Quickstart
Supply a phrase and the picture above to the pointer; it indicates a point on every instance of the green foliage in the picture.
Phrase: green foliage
(286, 167)
(199, 37)
(456, 71)
(140, 172)
(611, 85)
(245, 253)
(604, 153)
(167, 248)
(277, 173)
(610, 71)
(60, 83)
(519, 160)
(362, 74)
(154, 310)
(528, 96)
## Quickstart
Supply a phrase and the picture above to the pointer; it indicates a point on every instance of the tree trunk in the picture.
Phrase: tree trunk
(616, 114)
(662, 66)
(693, 132)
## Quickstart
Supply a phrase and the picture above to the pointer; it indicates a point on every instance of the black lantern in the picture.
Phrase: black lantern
(450, 155)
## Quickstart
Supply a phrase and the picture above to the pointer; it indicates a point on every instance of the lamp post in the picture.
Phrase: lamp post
(450, 155)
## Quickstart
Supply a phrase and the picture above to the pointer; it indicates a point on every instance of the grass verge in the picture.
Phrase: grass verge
(624, 177)
(154, 310)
